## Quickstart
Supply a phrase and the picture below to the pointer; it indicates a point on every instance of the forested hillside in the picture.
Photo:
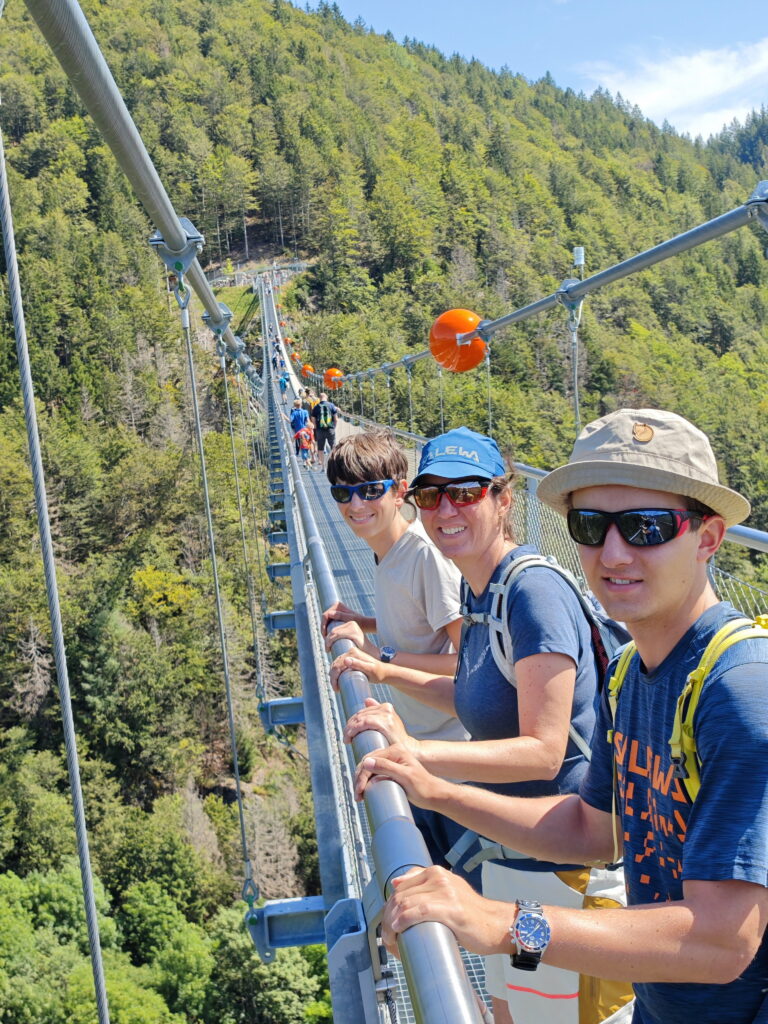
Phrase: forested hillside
(412, 182)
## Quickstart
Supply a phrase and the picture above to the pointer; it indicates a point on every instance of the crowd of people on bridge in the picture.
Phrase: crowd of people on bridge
(568, 844)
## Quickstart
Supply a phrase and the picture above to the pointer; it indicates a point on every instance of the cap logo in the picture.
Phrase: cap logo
(642, 432)
(454, 449)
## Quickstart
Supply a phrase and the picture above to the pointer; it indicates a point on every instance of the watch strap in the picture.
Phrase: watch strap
(525, 960)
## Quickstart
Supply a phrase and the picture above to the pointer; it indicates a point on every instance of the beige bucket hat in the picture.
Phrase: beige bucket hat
(648, 448)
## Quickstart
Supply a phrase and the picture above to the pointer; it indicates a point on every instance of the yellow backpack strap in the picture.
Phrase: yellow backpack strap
(615, 684)
(682, 742)
(616, 681)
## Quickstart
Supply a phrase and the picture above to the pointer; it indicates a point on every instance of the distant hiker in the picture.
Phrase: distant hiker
(324, 414)
(303, 439)
(298, 418)
(283, 385)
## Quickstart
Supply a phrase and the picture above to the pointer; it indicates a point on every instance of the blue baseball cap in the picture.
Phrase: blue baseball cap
(461, 453)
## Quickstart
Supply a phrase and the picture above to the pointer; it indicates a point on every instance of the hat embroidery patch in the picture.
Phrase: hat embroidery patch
(642, 432)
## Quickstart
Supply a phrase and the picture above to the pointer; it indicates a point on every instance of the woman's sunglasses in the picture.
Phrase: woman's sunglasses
(463, 492)
(640, 527)
(371, 491)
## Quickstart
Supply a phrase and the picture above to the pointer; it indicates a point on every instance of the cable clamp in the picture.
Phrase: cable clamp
(758, 203)
(179, 262)
(218, 327)
(573, 307)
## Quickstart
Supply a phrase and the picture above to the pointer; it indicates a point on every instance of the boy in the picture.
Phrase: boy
(416, 592)
(303, 439)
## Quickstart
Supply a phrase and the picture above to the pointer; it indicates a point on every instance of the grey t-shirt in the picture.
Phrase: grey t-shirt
(416, 597)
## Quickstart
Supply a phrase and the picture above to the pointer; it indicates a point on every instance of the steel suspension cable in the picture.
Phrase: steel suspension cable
(249, 444)
(250, 891)
(261, 690)
(54, 609)
(440, 385)
(246, 559)
(410, 397)
(69, 36)
(488, 378)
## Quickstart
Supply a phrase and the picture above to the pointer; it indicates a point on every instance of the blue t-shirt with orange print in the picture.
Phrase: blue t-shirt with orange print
(723, 835)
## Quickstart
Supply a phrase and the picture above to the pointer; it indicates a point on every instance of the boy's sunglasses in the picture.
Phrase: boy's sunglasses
(462, 492)
(370, 491)
(640, 527)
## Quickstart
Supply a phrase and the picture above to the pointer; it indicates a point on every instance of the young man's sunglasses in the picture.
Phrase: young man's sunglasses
(640, 527)
(370, 491)
(460, 492)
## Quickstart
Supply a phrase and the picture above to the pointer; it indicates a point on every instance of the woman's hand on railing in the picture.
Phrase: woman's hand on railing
(384, 719)
(399, 765)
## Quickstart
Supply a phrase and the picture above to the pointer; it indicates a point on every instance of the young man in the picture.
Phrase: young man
(645, 507)
(416, 595)
(325, 414)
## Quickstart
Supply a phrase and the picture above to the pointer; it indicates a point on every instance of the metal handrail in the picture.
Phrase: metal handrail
(438, 985)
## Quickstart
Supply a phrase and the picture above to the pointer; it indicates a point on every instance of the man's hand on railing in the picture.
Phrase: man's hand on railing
(434, 894)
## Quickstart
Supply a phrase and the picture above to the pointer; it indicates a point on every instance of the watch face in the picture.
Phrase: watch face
(532, 932)
(387, 653)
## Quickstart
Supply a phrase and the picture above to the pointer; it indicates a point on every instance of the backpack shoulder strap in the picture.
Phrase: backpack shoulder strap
(616, 682)
(498, 623)
(682, 742)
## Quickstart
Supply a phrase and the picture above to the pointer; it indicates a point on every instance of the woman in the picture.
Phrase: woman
(520, 731)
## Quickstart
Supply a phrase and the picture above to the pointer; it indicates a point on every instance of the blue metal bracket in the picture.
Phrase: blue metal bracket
(279, 537)
(279, 620)
(373, 911)
(282, 923)
(303, 922)
(281, 711)
(278, 570)
(349, 960)
(276, 515)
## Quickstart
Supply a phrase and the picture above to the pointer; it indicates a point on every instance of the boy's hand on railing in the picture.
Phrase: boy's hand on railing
(358, 660)
(338, 612)
(351, 631)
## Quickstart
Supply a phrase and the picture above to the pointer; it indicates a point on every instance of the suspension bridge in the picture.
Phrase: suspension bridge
(362, 847)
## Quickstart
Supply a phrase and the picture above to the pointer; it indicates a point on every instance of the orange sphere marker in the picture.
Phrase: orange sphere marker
(306, 370)
(331, 378)
(445, 348)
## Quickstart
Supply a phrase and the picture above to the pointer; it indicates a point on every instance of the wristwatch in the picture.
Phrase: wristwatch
(530, 933)
(387, 653)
